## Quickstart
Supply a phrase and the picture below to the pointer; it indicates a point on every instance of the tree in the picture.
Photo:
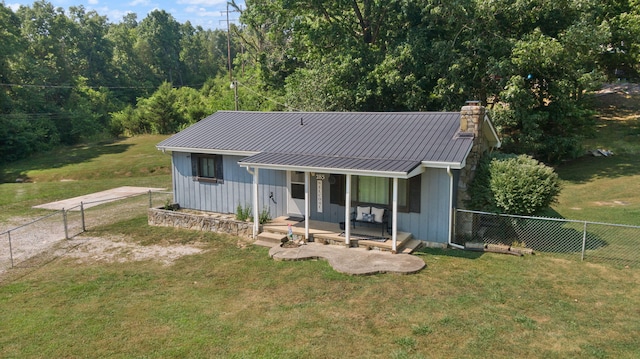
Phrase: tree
(11, 44)
(198, 61)
(93, 50)
(158, 43)
(543, 113)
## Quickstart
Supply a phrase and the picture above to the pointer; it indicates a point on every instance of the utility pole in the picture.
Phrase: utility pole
(229, 45)
(234, 83)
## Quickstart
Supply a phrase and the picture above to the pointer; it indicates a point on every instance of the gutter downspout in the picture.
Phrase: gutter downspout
(256, 217)
(451, 210)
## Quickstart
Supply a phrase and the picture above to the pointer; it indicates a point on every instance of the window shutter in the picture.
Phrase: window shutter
(337, 188)
(415, 190)
(219, 169)
(194, 166)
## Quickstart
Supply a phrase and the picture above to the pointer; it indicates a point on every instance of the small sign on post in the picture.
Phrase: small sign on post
(319, 196)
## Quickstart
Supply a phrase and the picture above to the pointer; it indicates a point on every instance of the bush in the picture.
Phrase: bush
(513, 184)
(243, 213)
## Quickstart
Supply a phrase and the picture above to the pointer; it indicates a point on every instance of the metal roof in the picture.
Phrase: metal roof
(373, 141)
(334, 164)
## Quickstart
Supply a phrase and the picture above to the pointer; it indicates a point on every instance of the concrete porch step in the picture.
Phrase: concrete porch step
(274, 238)
(411, 246)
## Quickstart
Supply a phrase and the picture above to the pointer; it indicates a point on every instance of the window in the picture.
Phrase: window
(297, 185)
(207, 168)
(377, 190)
(374, 190)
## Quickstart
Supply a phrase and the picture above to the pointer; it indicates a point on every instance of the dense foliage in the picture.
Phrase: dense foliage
(69, 75)
(63, 74)
(514, 184)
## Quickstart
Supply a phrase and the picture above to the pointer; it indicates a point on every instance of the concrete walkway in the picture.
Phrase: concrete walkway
(97, 198)
(354, 261)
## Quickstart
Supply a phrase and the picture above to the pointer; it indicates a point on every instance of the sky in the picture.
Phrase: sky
(210, 14)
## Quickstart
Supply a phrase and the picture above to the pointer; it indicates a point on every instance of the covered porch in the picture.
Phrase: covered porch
(301, 196)
(331, 233)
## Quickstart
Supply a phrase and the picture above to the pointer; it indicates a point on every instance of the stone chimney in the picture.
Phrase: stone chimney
(471, 120)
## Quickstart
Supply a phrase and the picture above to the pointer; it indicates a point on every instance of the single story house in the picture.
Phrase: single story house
(325, 165)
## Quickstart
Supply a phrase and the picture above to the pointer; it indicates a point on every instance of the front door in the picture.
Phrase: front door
(295, 182)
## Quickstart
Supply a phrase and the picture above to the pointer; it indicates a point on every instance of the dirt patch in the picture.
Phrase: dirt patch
(625, 88)
(618, 99)
(117, 250)
(611, 203)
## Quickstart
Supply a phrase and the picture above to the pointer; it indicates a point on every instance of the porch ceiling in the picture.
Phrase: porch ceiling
(332, 164)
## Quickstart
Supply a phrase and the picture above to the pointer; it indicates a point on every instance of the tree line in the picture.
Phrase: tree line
(64, 74)
(70, 75)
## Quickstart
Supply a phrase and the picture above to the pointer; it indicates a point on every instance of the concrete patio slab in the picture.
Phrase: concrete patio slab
(97, 198)
(354, 261)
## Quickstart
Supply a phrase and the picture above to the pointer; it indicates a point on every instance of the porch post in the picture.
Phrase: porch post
(256, 215)
(347, 213)
(394, 217)
(306, 206)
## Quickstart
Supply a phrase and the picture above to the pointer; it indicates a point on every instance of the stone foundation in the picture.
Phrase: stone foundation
(200, 221)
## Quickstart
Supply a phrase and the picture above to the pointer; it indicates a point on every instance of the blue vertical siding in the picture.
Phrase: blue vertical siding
(431, 224)
(236, 189)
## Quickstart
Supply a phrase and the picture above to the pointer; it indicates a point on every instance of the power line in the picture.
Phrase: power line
(92, 87)
(76, 86)
(266, 97)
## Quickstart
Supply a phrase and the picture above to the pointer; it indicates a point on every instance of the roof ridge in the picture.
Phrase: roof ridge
(339, 156)
(340, 112)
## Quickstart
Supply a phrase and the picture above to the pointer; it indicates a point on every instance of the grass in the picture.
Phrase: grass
(606, 189)
(73, 171)
(235, 302)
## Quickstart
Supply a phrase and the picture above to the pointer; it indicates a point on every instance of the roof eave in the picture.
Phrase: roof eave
(497, 143)
(451, 165)
(349, 171)
(208, 151)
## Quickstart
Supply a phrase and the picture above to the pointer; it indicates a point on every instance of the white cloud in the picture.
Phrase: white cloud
(114, 15)
(14, 7)
(93, 2)
(140, 3)
(215, 14)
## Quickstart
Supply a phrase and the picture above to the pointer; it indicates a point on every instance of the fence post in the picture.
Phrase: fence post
(584, 240)
(64, 220)
(10, 248)
(150, 202)
(84, 228)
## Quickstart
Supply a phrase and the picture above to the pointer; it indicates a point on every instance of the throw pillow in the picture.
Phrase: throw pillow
(360, 211)
(378, 213)
(367, 217)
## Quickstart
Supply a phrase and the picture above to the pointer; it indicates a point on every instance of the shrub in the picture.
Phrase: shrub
(513, 184)
(243, 213)
(265, 215)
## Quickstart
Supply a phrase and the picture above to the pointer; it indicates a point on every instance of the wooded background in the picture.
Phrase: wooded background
(71, 75)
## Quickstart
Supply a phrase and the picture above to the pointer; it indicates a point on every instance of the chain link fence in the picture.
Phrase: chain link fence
(21, 244)
(580, 240)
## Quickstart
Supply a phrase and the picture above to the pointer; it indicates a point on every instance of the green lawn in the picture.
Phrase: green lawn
(235, 302)
(606, 189)
(73, 171)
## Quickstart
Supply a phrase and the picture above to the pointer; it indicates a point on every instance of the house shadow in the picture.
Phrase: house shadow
(587, 167)
(59, 157)
(541, 235)
(449, 252)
